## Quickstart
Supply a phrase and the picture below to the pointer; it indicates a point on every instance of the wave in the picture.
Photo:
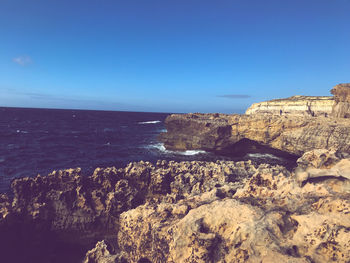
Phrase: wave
(160, 147)
(19, 131)
(263, 156)
(149, 122)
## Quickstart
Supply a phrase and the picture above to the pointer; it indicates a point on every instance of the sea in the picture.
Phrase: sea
(38, 141)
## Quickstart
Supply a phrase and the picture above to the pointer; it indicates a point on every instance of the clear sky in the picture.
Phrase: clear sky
(170, 55)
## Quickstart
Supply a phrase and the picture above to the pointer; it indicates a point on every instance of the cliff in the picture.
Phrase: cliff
(341, 107)
(294, 125)
(296, 105)
(229, 134)
(182, 212)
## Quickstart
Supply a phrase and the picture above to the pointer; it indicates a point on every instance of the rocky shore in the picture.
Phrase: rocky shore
(183, 212)
(197, 211)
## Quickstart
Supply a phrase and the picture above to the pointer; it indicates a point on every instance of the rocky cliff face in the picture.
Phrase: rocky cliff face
(226, 133)
(296, 105)
(183, 212)
(341, 107)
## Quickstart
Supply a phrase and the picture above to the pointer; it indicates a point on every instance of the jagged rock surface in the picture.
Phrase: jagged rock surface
(296, 105)
(183, 212)
(341, 107)
(271, 218)
(71, 211)
(226, 133)
(100, 254)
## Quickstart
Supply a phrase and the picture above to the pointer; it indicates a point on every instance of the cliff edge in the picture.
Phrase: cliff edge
(294, 126)
(296, 105)
(225, 134)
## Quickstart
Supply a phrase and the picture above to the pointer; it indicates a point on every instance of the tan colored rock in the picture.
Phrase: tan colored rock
(319, 158)
(295, 106)
(271, 218)
(99, 254)
(5, 206)
(323, 237)
(73, 210)
(213, 230)
(292, 134)
(187, 212)
(329, 166)
(341, 107)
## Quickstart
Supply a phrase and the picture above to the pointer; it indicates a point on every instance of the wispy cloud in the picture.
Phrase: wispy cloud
(22, 60)
(45, 100)
(235, 96)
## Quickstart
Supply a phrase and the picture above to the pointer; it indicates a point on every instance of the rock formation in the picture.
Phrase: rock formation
(183, 212)
(100, 254)
(226, 133)
(341, 107)
(268, 217)
(294, 125)
(65, 213)
(295, 106)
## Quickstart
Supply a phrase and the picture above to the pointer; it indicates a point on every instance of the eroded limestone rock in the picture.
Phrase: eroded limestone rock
(69, 210)
(295, 106)
(182, 212)
(329, 166)
(99, 254)
(225, 133)
(341, 107)
(271, 218)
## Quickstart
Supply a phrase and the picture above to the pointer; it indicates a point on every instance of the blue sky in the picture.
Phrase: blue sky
(170, 55)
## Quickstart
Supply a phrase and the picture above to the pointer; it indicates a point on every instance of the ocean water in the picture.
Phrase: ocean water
(38, 141)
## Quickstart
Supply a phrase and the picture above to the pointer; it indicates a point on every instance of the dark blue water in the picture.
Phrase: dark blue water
(38, 141)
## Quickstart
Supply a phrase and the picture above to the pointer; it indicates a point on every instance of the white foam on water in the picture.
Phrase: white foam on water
(149, 122)
(263, 155)
(160, 147)
(192, 152)
(19, 131)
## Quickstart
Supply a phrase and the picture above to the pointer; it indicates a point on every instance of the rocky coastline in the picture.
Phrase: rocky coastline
(220, 211)
(295, 131)
(197, 211)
